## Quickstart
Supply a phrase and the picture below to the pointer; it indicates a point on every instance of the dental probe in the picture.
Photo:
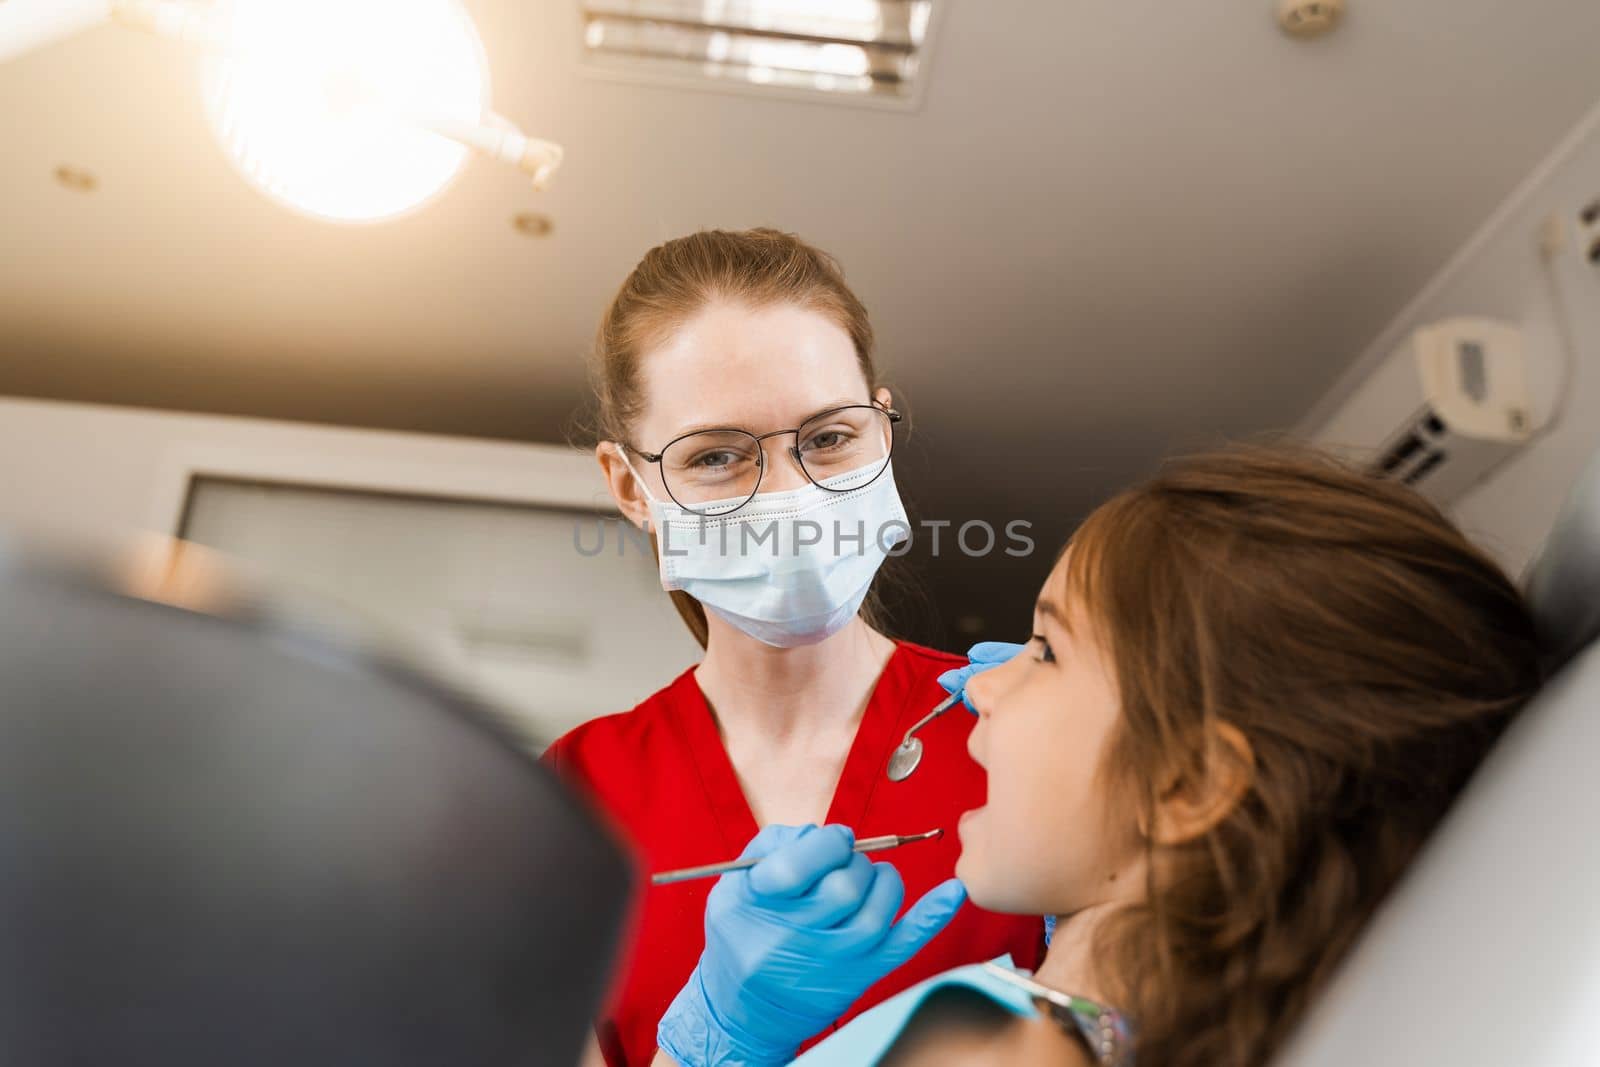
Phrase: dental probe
(904, 760)
(712, 870)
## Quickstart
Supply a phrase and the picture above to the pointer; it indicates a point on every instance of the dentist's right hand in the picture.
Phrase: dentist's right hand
(791, 943)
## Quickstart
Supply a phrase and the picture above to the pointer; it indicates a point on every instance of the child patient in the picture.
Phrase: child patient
(1255, 684)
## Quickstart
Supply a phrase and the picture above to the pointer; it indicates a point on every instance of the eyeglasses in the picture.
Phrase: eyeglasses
(716, 472)
(1106, 1034)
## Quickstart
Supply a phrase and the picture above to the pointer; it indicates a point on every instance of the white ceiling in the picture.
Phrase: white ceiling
(1112, 225)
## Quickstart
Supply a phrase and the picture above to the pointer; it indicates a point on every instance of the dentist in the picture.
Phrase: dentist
(742, 423)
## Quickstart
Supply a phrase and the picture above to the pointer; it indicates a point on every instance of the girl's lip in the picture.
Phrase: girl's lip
(965, 816)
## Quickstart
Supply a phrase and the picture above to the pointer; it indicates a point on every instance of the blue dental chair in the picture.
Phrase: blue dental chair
(224, 842)
(1488, 953)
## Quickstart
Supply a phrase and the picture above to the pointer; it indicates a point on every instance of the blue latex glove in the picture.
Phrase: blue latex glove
(791, 943)
(983, 655)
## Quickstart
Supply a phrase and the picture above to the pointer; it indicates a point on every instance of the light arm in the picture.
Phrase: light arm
(28, 25)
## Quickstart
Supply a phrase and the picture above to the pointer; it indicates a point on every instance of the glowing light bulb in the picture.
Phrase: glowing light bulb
(318, 102)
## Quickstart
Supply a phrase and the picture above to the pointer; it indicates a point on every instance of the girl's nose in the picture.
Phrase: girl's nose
(976, 737)
(977, 691)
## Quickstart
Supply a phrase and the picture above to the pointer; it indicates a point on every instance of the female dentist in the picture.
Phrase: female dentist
(742, 424)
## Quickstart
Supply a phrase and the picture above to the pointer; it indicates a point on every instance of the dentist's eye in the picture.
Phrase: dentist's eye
(1046, 654)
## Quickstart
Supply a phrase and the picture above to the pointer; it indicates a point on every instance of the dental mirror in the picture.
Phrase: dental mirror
(905, 759)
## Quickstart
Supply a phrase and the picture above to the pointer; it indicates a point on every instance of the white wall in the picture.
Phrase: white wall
(86, 468)
(1500, 273)
(96, 474)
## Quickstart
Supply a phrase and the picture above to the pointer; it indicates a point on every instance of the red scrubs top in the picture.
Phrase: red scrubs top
(662, 773)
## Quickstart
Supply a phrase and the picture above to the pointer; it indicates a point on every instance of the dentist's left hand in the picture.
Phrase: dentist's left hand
(791, 943)
(980, 657)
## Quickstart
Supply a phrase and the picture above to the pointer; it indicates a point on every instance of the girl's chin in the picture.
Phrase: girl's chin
(969, 869)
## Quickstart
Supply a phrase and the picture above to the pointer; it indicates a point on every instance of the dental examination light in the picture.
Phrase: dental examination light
(348, 110)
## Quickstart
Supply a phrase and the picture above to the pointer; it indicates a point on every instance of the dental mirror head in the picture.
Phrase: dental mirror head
(904, 760)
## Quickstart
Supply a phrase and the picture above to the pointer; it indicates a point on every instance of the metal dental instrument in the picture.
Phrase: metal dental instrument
(904, 760)
(712, 870)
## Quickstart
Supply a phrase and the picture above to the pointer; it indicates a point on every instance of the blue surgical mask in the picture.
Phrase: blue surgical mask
(788, 568)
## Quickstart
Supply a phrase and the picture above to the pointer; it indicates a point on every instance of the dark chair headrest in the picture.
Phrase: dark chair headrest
(221, 842)
(1563, 584)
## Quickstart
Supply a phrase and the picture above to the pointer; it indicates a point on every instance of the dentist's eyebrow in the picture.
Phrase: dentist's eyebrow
(843, 402)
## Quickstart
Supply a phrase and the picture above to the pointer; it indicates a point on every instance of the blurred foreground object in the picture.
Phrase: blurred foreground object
(225, 841)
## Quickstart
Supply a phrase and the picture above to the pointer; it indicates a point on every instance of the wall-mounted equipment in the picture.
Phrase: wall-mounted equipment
(347, 110)
(1589, 220)
(1447, 407)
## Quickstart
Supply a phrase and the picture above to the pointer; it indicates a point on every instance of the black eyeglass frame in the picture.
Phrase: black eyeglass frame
(761, 454)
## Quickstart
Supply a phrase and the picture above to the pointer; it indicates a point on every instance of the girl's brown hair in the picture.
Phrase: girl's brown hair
(1370, 655)
(673, 283)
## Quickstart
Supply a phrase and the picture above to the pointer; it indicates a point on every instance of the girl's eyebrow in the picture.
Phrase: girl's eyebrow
(1050, 610)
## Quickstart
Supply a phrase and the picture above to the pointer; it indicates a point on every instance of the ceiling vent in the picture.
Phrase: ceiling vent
(866, 50)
